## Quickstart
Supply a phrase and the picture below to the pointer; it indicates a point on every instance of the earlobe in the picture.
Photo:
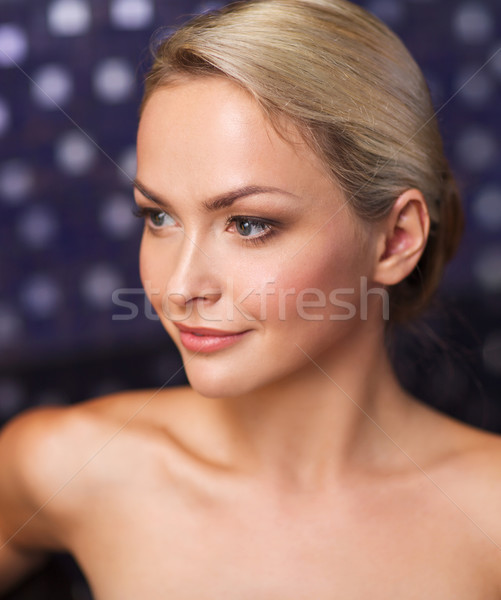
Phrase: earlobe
(403, 238)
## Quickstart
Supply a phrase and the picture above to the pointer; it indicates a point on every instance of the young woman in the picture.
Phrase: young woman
(296, 202)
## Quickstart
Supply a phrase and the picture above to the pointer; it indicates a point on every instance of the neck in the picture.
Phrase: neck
(341, 408)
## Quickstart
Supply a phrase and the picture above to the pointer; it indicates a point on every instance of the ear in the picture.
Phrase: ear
(403, 238)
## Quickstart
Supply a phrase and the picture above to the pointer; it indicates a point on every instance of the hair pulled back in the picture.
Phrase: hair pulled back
(354, 92)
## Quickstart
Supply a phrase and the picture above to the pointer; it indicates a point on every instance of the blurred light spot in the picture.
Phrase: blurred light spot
(16, 181)
(476, 148)
(10, 325)
(127, 163)
(473, 23)
(98, 285)
(475, 89)
(389, 11)
(131, 14)
(487, 269)
(4, 116)
(52, 86)
(13, 45)
(113, 80)
(487, 207)
(75, 153)
(41, 297)
(68, 17)
(491, 353)
(36, 227)
(116, 216)
(12, 397)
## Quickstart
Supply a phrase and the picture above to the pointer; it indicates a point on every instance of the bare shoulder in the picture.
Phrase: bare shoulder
(65, 437)
(29, 447)
(473, 482)
(51, 457)
(466, 464)
(481, 459)
(454, 443)
(29, 459)
(469, 445)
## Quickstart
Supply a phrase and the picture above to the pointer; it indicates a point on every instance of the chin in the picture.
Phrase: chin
(233, 379)
(213, 384)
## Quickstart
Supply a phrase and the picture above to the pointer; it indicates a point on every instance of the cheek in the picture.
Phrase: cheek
(311, 283)
(153, 273)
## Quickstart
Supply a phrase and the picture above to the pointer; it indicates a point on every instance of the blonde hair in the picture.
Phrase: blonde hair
(355, 93)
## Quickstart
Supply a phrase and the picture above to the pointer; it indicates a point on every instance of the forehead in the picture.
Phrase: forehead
(206, 134)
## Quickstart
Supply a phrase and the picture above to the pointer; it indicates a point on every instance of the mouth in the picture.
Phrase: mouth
(205, 340)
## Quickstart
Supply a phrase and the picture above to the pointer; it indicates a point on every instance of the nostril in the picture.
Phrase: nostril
(211, 296)
(182, 300)
(178, 298)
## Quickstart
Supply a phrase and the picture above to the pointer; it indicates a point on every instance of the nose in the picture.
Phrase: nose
(194, 280)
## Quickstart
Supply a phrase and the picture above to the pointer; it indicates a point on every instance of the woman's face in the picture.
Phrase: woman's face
(249, 254)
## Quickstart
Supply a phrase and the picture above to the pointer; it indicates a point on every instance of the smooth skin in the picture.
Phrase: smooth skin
(295, 466)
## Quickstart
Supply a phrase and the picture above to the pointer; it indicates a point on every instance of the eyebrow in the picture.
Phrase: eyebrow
(219, 202)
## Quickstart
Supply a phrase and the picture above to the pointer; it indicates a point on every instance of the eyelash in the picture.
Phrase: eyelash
(269, 228)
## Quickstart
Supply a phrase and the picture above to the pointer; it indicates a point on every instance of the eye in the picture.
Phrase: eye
(154, 218)
(247, 227)
(160, 218)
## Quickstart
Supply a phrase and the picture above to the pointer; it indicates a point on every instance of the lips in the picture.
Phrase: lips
(205, 340)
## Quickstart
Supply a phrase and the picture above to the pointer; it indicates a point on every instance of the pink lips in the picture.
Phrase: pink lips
(207, 340)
